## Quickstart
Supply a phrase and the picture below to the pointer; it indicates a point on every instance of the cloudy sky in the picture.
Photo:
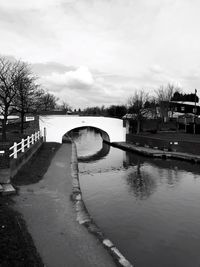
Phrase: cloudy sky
(97, 52)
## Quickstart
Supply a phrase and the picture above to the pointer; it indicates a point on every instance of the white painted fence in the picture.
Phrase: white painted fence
(25, 143)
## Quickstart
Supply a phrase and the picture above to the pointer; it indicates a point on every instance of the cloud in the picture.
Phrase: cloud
(124, 45)
(81, 87)
(156, 69)
(24, 4)
(80, 78)
(47, 68)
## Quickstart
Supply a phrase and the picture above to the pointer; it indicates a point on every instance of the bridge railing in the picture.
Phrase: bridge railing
(25, 143)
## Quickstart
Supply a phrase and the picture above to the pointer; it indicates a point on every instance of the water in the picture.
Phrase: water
(148, 208)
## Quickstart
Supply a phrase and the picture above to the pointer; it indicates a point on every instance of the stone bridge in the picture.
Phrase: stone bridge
(57, 125)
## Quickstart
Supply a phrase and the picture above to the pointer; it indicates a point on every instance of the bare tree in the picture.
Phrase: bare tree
(65, 106)
(163, 97)
(10, 74)
(136, 105)
(45, 101)
(49, 101)
(151, 106)
(25, 96)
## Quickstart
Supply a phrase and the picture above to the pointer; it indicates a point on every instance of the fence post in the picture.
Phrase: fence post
(22, 145)
(28, 142)
(45, 134)
(15, 150)
(185, 122)
(32, 139)
(36, 137)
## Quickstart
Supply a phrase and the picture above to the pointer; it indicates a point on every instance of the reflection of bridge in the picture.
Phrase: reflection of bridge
(98, 155)
(56, 126)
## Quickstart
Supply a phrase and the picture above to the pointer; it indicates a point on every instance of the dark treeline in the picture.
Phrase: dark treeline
(116, 111)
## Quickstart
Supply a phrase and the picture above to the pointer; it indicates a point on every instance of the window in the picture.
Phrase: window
(194, 110)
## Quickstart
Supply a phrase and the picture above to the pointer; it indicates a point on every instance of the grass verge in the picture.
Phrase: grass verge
(16, 245)
(35, 169)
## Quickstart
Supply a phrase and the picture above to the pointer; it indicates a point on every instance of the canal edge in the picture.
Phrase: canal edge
(84, 218)
(157, 153)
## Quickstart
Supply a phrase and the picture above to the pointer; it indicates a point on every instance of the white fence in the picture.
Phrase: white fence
(25, 143)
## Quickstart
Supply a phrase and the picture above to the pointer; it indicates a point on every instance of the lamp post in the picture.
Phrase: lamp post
(195, 111)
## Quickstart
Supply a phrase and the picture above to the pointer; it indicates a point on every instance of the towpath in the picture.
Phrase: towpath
(157, 153)
(51, 219)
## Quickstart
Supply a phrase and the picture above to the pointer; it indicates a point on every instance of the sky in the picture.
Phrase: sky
(98, 52)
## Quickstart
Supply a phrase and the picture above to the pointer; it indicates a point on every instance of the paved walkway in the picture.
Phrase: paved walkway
(51, 219)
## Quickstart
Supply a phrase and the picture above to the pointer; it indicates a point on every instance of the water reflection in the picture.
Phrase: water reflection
(176, 165)
(141, 182)
(103, 152)
(170, 169)
(88, 141)
(148, 207)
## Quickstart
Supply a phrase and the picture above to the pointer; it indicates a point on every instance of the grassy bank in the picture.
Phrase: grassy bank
(170, 141)
(35, 169)
(16, 245)
(171, 136)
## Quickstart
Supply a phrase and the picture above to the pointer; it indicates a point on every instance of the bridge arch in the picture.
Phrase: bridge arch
(105, 136)
(57, 125)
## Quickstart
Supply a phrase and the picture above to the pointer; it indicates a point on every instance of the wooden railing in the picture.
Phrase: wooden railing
(25, 143)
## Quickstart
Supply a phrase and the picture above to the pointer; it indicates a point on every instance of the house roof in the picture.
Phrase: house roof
(185, 103)
(147, 114)
(129, 116)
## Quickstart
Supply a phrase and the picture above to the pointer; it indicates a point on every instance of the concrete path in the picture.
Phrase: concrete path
(51, 219)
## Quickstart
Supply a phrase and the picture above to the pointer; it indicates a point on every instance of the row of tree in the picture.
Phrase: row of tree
(141, 105)
(20, 93)
(116, 111)
(138, 103)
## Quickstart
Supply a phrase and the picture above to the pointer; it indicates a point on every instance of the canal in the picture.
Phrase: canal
(149, 208)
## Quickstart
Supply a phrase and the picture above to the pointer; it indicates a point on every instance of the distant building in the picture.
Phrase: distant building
(184, 107)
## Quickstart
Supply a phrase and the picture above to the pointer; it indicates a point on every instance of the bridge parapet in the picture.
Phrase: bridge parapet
(57, 126)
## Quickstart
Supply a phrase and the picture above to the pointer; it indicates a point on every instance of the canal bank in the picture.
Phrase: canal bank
(156, 153)
(51, 219)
